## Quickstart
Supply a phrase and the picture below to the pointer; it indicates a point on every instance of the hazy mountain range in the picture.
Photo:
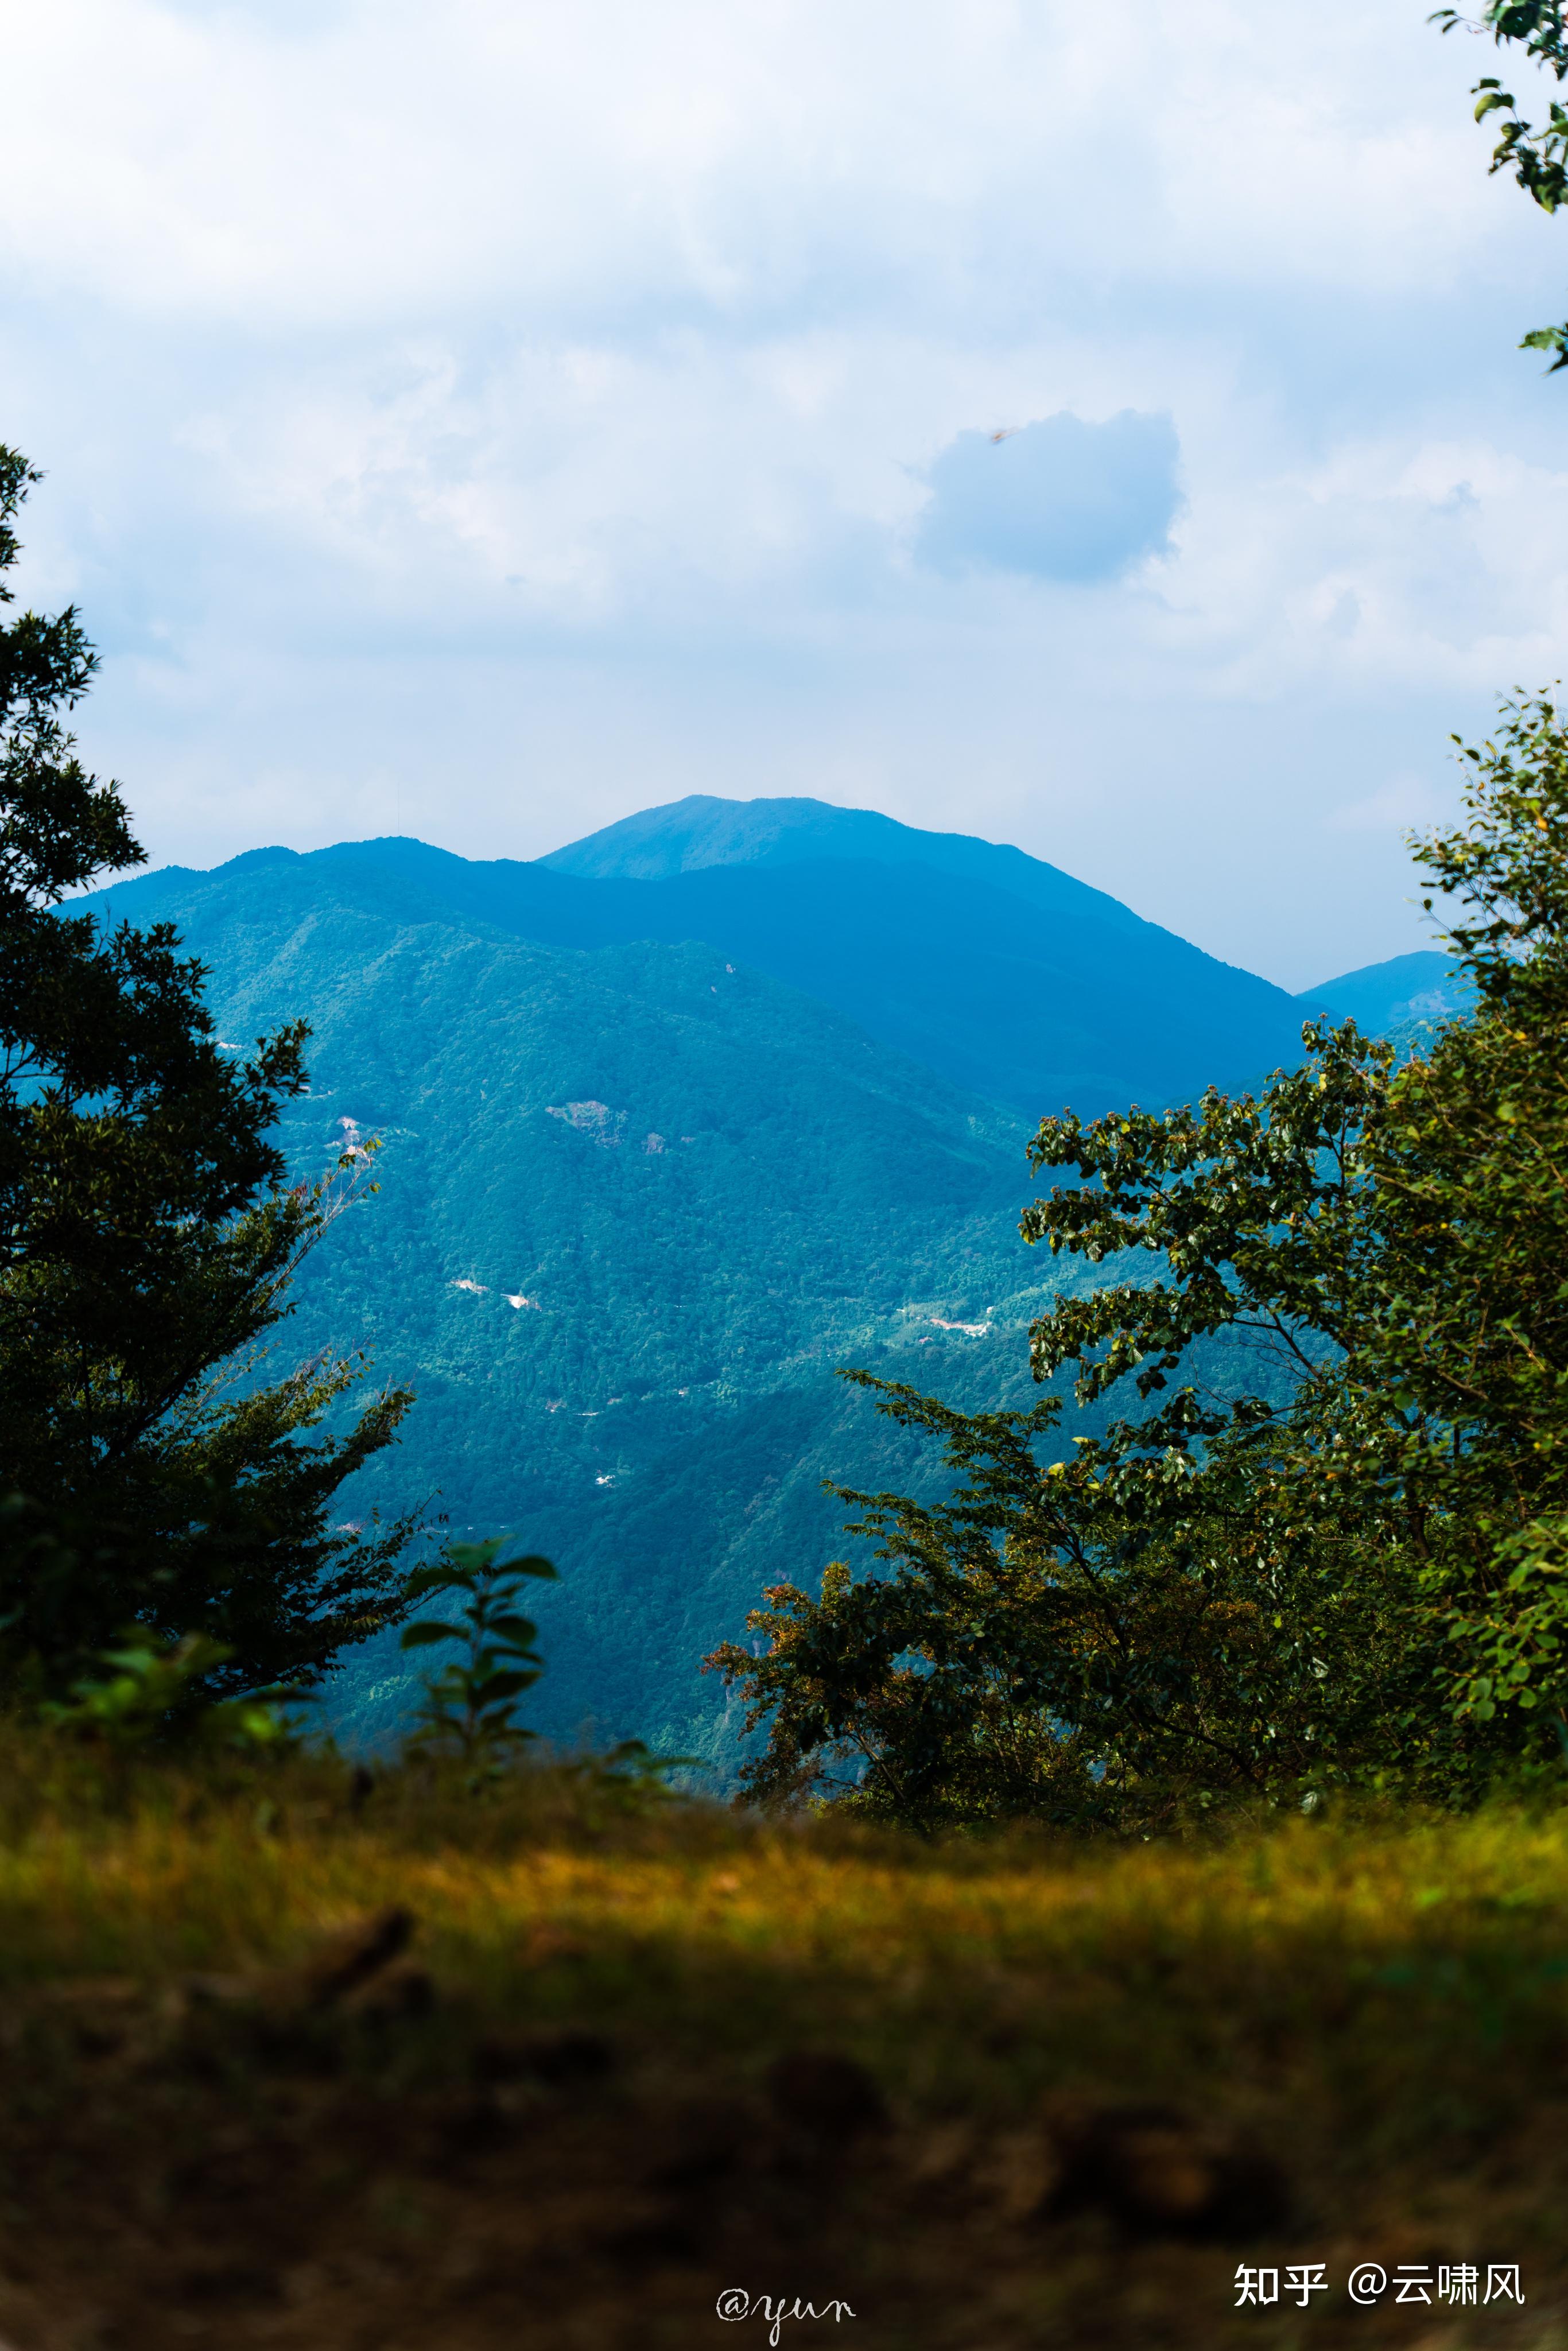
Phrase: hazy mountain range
(675, 1123)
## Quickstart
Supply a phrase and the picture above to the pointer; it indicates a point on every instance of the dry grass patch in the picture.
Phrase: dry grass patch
(612, 2056)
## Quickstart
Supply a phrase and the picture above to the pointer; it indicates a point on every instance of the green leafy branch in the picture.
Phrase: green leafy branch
(470, 1708)
(1538, 157)
(147, 1692)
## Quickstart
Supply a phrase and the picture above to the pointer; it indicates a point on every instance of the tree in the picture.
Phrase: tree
(1354, 1567)
(1094, 1642)
(147, 1239)
(1470, 1162)
(1537, 155)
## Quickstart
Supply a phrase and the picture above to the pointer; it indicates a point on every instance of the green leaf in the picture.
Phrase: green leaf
(424, 1580)
(489, 1689)
(512, 1628)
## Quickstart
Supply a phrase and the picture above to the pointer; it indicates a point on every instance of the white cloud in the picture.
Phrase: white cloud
(350, 162)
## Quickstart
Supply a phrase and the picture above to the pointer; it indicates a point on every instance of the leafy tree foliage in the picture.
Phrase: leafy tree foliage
(470, 1708)
(1368, 1582)
(143, 1694)
(147, 1238)
(1537, 155)
(1093, 1641)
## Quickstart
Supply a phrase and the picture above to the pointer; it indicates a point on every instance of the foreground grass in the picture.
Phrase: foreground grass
(590, 2107)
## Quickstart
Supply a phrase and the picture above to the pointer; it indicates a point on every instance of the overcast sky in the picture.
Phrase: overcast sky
(482, 418)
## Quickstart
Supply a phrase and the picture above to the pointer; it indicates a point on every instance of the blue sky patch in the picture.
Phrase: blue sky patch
(1061, 499)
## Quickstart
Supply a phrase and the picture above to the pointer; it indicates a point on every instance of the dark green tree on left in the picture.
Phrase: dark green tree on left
(148, 1235)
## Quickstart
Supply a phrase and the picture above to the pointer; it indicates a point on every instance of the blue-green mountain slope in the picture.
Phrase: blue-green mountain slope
(690, 835)
(1386, 998)
(637, 1202)
(1041, 1007)
(660, 1153)
(999, 969)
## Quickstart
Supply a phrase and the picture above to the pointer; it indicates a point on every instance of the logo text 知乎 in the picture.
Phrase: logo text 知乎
(1368, 2283)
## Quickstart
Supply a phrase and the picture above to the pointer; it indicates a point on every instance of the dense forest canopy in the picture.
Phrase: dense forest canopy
(1361, 1585)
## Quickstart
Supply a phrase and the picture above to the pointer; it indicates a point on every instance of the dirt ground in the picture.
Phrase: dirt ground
(335, 2165)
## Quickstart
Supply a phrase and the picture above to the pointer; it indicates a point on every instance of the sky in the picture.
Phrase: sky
(1099, 429)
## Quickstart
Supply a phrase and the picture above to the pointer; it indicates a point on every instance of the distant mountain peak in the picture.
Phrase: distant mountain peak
(249, 860)
(1001, 974)
(1381, 998)
(702, 830)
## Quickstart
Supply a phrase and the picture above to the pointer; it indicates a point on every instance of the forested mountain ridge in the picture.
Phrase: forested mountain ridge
(690, 835)
(637, 1203)
(1040, 1007)
(639, 1198)
(1383, 998)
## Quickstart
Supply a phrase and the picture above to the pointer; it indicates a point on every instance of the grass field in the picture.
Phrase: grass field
(292, 2062)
